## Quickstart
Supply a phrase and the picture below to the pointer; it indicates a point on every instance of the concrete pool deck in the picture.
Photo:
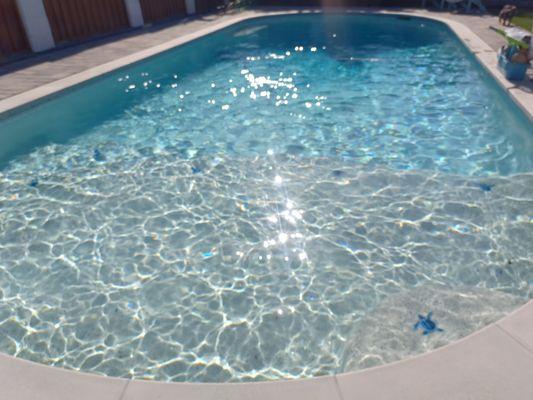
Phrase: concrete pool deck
(494, 363)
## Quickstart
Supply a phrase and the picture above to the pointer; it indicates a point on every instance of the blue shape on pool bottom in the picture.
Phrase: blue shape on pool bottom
(485, 187)
(427, 324)
(98, 156)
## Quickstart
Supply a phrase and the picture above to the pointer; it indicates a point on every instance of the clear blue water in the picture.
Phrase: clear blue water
(280, 199)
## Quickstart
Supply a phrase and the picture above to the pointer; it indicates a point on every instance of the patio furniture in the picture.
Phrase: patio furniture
(466, 5)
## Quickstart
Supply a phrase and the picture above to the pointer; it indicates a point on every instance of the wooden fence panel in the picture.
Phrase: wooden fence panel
(155, 10)
(80, 19)
(12, 34)
(205, 6)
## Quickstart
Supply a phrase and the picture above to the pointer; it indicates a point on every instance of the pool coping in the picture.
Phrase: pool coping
(492, 363)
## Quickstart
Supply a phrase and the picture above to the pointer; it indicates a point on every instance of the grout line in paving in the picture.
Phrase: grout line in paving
(515, 339)
(121, 397)
(337, 386)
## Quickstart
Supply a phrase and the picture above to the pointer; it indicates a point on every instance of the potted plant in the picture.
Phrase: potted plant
(513, 58)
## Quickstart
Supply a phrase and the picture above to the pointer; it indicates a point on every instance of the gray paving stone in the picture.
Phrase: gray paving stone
(487, 365)
(520, 326)
(311, 389)
(24, 380)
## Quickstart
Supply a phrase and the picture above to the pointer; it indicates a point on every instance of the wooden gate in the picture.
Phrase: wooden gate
(79, 19)
(12, 34)
(155, 10)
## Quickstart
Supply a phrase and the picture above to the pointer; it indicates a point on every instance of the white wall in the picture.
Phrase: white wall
(36, 24)
(135, 15)
(190, 7)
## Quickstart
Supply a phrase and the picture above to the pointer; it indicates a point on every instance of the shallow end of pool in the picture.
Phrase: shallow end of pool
(493, 363)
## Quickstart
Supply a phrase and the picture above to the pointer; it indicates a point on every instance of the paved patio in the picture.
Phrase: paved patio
(44, 68)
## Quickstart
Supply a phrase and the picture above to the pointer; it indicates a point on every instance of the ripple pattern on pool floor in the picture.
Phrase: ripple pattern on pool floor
(153, 266)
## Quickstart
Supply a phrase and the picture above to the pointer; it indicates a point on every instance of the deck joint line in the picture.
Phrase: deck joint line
(337, 387)
(123, 393)
(520, 343)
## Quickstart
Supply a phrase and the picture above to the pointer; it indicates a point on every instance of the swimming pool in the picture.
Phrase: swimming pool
(280, 199)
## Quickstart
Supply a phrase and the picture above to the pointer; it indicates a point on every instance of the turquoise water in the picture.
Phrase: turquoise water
(280, 199)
